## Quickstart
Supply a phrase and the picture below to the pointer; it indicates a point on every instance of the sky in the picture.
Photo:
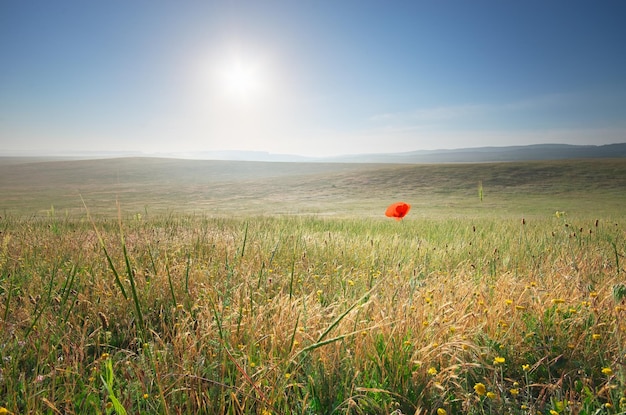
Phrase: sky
(312, 78)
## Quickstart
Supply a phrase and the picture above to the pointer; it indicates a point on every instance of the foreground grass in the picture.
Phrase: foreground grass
(191, 314)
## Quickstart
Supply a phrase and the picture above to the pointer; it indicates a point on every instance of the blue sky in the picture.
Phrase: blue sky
(309, 77)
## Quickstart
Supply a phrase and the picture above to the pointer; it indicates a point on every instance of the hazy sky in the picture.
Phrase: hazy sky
(309, 77)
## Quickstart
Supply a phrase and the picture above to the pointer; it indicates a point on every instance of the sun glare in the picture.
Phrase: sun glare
(241, 80)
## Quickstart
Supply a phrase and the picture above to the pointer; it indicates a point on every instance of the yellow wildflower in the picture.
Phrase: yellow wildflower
(491, 395)
(441, 411)
(480, 389)
(553, 412)
(596, 336)
(432, 371)
(514, 391)
(499, 360)
(525, 368)
(607, 371)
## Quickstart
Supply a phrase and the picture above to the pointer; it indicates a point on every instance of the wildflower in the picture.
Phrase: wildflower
(350, 283)
(441, 411)
(499, 360)
(491, 395)
(508, 301)
(622, 402)
(523, 407)
(4, 411)
(432, 371)
(525, 368)
(520, 307)
(608, 405)
(553, 412)
(558, 301)
(104, 356)
(146, 396)
(607, 371)
(596, 336)
(480, 389)
(398, 210)
(287, 375)
(514, 391)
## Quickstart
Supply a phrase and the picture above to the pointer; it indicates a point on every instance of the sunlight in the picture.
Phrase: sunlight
(242, 79)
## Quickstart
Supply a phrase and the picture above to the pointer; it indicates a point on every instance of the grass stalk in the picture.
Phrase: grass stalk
(131, 275)
(169, 280)
(118, 281)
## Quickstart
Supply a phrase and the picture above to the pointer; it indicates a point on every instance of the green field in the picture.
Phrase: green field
(169, 286)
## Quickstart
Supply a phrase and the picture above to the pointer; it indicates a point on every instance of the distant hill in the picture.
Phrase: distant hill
(534, 152)
(493, 154)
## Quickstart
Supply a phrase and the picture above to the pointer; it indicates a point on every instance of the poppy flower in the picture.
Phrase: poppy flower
(398, 210)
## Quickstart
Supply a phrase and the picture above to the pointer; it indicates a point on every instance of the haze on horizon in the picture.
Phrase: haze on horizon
(309, 78)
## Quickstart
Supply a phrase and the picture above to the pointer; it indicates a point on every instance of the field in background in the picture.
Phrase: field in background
(223, 188)
(255, 288)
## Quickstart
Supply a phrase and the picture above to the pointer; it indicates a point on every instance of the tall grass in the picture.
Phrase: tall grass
(309, 315)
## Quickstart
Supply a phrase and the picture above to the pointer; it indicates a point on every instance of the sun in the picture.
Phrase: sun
(242, 81)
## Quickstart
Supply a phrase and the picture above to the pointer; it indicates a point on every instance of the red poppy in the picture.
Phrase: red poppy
(398, 210)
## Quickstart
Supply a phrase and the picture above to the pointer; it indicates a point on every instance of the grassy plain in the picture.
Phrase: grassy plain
(255, 288)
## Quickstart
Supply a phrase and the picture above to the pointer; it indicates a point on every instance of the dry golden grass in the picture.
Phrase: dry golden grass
(307, 315)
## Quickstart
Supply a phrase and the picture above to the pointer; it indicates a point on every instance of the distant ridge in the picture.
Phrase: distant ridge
(493, 154)
(532, 152)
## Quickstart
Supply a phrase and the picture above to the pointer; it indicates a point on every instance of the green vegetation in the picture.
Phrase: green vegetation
(515, 304)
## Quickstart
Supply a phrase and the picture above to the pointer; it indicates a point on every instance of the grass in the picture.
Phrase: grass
(458, 308)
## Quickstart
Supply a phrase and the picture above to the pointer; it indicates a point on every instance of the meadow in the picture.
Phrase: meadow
(147, 286)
